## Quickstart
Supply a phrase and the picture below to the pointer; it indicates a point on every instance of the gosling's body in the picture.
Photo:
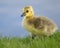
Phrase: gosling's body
(38, 25)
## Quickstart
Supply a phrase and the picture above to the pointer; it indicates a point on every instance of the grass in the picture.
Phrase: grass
(28, 42)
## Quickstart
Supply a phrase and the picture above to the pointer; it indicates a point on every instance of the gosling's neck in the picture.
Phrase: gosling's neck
(29, 17)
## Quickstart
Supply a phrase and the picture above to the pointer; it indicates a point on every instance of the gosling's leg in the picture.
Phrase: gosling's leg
(33, 36)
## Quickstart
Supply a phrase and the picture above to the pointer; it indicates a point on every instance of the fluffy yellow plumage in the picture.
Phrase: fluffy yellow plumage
(37, 25)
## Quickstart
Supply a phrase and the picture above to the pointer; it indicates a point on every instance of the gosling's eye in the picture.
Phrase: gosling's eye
(27, 11)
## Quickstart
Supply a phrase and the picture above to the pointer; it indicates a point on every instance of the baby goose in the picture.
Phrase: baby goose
(37, 25)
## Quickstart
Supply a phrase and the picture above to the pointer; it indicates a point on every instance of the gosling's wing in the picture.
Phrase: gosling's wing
(41, 22)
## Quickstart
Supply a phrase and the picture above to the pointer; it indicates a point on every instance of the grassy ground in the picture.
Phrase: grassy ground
(15, 42)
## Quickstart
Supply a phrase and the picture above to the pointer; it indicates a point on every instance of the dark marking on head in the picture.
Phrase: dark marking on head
(26, 8)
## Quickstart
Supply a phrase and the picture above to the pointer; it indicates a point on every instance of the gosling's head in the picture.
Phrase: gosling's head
(28, 11)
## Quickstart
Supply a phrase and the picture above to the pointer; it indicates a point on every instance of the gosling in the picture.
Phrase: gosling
(37, 25)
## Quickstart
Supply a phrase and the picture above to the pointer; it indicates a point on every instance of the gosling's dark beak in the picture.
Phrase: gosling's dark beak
(23, 14)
